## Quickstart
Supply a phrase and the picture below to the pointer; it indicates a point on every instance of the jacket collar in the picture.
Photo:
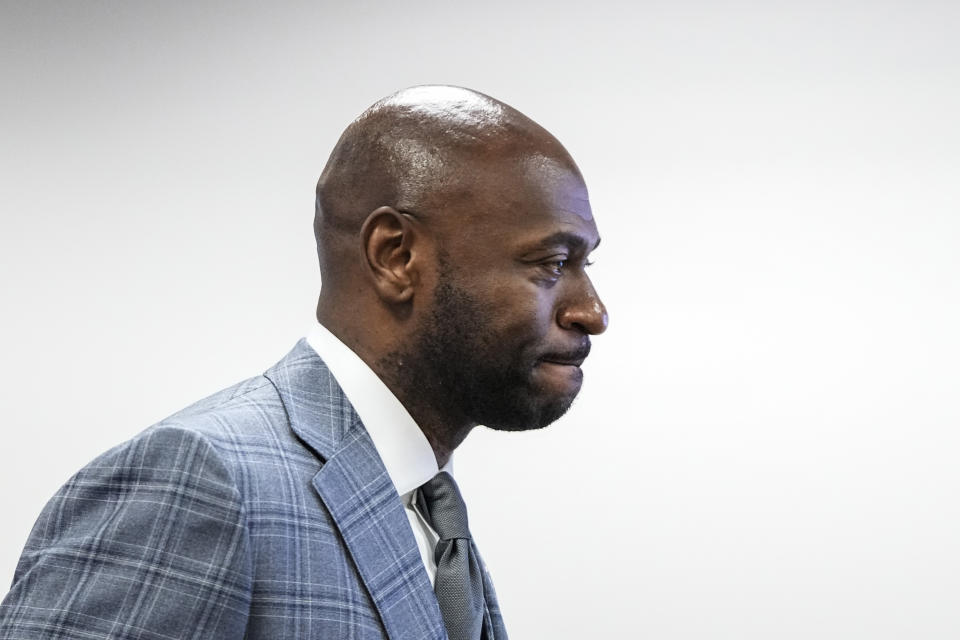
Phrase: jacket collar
(359, 495)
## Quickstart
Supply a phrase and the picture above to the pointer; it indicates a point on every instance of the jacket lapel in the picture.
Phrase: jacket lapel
(493, 628)
(359, 495)
(363, 502)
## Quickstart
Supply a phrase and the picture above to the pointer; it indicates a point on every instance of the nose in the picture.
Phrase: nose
(583, 311)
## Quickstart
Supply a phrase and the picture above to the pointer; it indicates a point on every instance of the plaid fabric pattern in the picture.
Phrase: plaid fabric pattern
(263, 511)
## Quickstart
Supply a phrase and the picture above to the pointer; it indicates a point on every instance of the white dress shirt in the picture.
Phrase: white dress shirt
(404, 450)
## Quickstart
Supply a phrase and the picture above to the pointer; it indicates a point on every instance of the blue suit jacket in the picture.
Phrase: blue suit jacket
(263, 511)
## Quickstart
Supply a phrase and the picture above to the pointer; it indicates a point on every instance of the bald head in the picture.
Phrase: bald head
(454, 235)
(418, 150)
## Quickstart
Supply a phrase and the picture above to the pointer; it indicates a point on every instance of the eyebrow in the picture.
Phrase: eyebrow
(571, 240)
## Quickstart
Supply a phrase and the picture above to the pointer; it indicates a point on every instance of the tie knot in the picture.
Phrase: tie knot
(443, 507)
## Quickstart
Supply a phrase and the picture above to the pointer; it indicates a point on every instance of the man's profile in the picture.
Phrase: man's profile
(316, 500)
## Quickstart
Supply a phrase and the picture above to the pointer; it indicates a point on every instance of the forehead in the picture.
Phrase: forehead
(520, 199)
(557, 182)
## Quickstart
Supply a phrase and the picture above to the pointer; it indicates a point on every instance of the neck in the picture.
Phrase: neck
(443, 426)
(442, 431)
(430, 405)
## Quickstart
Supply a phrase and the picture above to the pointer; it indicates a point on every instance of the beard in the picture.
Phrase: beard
(464, 368)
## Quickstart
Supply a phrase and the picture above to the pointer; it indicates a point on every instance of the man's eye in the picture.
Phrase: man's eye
(556, 266)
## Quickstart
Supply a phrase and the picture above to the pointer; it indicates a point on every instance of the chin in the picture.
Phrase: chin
(534, 415)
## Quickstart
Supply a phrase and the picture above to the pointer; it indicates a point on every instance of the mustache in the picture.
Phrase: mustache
(569, 356)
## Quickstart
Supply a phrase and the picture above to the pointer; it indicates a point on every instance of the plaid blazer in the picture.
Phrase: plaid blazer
(263, 511)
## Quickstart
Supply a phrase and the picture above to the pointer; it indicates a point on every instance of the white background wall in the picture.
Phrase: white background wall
(766, 445)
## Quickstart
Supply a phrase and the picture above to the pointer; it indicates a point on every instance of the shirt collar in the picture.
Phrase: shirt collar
(404, 450)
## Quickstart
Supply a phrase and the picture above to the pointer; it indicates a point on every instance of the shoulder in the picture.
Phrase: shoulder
(191, 461)
(175, 509)
(160, 513)
(208, 437)
(272, 410)
(246, 406)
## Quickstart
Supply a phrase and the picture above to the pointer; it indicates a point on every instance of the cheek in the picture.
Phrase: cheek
(513, 307)
(522, 312)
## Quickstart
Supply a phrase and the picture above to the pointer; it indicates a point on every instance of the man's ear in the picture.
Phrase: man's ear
(390, 242)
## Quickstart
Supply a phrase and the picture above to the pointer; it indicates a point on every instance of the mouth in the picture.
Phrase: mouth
(572, 358)
(566, 362)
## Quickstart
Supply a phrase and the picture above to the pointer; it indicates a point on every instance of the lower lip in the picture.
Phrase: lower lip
(562, 375)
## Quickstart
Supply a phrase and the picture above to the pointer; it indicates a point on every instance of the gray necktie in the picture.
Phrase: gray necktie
(459, 582)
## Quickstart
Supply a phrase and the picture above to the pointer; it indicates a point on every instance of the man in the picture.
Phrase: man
(315, 501)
